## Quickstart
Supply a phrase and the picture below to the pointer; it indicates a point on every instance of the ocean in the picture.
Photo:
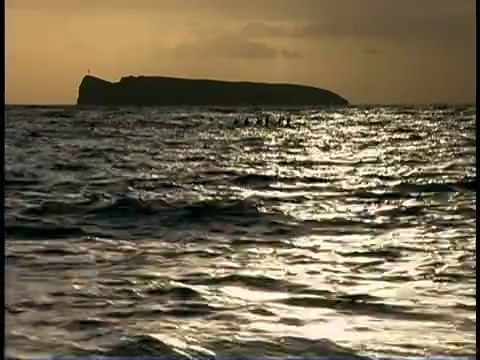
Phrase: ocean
(172, 231)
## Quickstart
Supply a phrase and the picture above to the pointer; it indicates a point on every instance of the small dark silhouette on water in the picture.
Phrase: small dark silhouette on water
(266, 120)
(168, 91)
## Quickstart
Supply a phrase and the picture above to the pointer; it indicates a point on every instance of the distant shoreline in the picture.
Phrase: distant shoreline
(168, 91)
(435, 105)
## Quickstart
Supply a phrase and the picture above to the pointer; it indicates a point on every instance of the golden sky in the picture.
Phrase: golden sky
(368, 51)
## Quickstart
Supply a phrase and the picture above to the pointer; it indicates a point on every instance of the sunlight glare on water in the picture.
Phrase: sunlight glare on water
(172, 232)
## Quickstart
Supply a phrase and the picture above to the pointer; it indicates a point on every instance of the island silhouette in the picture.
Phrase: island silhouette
(172, 91)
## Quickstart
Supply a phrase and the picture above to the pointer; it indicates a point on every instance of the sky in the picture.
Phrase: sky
(368, 51)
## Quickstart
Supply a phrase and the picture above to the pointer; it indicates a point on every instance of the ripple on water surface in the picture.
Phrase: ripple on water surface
(172, 232)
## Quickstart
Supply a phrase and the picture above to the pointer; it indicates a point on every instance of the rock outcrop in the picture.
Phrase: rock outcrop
(168, 91)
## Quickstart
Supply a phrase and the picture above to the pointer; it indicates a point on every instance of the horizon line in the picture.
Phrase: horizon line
(349, 105)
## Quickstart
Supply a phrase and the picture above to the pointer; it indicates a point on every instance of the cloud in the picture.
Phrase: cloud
(230, 46)
(427, 21)
(437, 29)
(264, 29)
(291, 54)
(358, 48)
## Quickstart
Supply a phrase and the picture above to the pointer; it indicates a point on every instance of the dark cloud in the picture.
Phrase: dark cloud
(435, 21)
(438, 29)
(433, 28)
(266, 9)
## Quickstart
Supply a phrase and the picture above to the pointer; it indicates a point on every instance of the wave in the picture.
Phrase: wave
(43, 231)
(462, 185)
(98, 215)
(161, 231)
(155, 345)
(59, 114)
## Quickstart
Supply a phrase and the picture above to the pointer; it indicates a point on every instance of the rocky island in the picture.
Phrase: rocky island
(169, 91)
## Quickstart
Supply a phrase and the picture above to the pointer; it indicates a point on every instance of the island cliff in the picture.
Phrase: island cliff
(168, 91)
